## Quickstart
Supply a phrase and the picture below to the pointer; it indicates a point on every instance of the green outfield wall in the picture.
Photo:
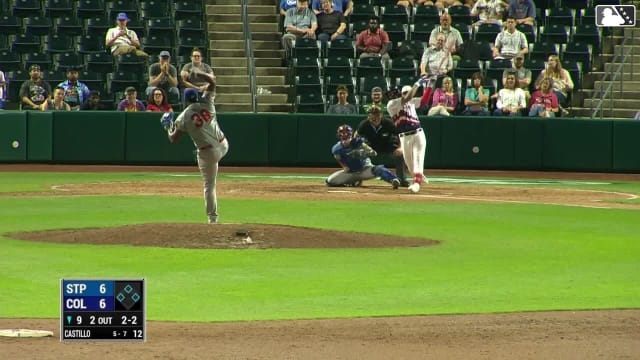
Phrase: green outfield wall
(306, 139)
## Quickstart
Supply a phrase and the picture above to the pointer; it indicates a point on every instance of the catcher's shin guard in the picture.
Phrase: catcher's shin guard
(384, 173)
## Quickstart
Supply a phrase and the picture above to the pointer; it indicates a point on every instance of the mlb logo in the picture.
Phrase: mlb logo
(615, 15)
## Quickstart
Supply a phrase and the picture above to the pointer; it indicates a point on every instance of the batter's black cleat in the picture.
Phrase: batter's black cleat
(404, 183)
(395, 183)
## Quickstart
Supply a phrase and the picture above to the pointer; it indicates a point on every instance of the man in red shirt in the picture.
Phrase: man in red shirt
(373, 42)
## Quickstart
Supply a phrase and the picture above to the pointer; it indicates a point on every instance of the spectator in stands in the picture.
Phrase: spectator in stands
(342, 106)
(57, 103)
(75, 91)
(373, 42)
(157, 101)
(377, 100)
(123, 40)
(476, 97)
(406, 3)
(524, 75)
(544, 102)
(331, 24)
(453, 39)
(562, 83)
(343, 6)
(300, 22)
(511, 99)
(488, 11)
(35, 91)
(380, 134)
(191, 80)
(163, 75)
(444, 4)
(445, 99)
(436, 62)
(524, 11)
(510, 42)
(93, 102)
(3, 90)
(286, 5)
(130, 101)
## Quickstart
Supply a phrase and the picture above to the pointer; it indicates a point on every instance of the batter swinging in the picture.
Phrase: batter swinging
(199, 121)
(412, 138)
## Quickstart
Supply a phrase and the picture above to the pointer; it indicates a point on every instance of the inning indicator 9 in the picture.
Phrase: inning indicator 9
(103, 310)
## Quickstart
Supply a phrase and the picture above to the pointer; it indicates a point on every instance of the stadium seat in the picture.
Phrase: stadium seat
(529, 32)
(10, 60)
(575, 4)
(26, 8)
(58, 44)
(332, 83)
(161, 27)
(487, 32)
(577, 51)
(93, 80)
(10, 24)
(494, 68)
(99, 62)
(137, 25)
(130, 63)
(403, 67)
(189, 27)
(39, 26)
(4, 42)
(483, 50)
(16, 78)
(397, 31)
(588, 16)
(58, 8)
(466, 67)
(338, 65)
(559, 16)
(69, 26)
(460, 14)
(305, 47)
(154, 10)
(312, 102)
(127, 6)
(97, 25)
(367, 83)
(426, 15)
(342, 48)
(536, 66)
(464, 29)
(554, 33)
(575, 70)
(90, 8)
(356, 27)
(588, 34)
(422, 31)
(89, 44)
(64, 61)
(416, 45)
(153, 45)
(394, 13)
(185, 45)
(362, 11)
(542, 49)
(38, 58)
(188, 9)
(368, 67)
(54, 77)
(26, 43)
(120, 80)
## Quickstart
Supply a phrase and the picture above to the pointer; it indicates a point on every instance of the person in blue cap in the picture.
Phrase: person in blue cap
(122, 40)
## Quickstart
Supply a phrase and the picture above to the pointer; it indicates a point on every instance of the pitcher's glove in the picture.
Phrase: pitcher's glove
(167, 121)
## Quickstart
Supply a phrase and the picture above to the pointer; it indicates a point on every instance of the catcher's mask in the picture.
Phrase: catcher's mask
(345, 132)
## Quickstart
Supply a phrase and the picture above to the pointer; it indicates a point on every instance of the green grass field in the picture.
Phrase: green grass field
(493, 257)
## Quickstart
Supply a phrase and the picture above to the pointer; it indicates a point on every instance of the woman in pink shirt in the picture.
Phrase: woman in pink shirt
(544, 102)
(445, 99)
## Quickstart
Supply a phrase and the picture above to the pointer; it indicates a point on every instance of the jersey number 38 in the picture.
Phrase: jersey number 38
(201, 118)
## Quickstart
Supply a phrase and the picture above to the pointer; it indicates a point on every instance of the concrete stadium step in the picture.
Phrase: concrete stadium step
(260, 2)
(275, 108)
(229, 61)
(219, 35)
(224, 26)
(270, 80)
(233, 80)
(626, 94)
(233, 98)
(236, 107)
(233, 89)
(271, 71)
(265, 45)
(268, 62)
(269, 54)
(226, 44)
(227, 53)
(272, 99)
(220, 9)
(267, 36)
(226, 70)
(626, 67)
(580, 112)
(628, 85)
(617, 103)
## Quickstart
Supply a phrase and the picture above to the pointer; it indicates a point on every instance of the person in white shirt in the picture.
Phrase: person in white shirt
(510, 42)
(122, 40)
(511, 99)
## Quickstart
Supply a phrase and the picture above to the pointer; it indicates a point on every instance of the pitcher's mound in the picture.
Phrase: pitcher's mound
(222, 236)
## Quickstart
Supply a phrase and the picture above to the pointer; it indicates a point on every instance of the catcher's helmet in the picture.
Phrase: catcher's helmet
(345, 132)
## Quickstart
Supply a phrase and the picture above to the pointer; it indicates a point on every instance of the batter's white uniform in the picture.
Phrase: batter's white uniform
(412, 137)
(199, 121)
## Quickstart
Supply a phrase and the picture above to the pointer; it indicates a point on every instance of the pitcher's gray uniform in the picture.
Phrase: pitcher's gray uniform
(199, 121)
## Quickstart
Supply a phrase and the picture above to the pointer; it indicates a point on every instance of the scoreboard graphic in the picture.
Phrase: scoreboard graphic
(102, 310)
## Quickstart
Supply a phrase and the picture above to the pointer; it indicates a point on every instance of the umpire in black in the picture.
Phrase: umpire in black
(380, 134)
